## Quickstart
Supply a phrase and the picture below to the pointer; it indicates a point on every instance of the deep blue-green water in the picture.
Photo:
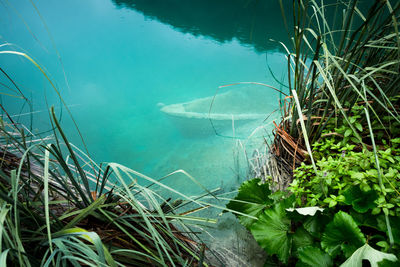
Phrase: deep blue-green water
(114, 61)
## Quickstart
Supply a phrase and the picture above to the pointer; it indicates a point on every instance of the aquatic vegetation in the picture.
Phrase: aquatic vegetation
(339, 138)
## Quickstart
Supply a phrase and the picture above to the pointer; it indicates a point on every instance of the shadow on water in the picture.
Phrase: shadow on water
(251, 22)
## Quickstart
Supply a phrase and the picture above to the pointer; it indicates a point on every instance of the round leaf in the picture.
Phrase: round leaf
(271, 232)
(251, 200)
(342, 234)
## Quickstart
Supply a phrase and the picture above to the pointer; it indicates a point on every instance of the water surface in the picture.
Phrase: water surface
(114, 61)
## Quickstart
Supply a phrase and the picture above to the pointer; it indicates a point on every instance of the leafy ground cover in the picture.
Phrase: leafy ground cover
(331, 215)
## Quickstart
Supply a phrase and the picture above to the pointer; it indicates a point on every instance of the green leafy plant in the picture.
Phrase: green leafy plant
(300, 235)
(342, 234)
(344, 175)
(252, 199)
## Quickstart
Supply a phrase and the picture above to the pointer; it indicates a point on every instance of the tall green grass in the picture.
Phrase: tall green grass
(337, 61)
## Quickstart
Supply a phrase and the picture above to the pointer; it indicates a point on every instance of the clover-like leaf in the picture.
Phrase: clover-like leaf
(342, 234)
(252, 198)
(312, 256)
(356, 175)
(368, 253)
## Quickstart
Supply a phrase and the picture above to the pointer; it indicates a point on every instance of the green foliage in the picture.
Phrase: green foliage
(60, 208)
(271, 231)
(334, 66)
(361, 201)
(306, 235)
(312, 256)
(349, 177)
(347, 187)
(274, 232)
(342, 234)
(48, 217)
(339, 73)
(252, 198)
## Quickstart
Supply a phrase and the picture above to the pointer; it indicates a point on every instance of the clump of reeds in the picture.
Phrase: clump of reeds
(55, 211)
(348, 58)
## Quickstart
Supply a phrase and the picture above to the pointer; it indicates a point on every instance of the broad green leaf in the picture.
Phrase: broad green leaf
(271, 232)
(367, 253)
(251, 199)
(363, 220)
(360, 200)
(287, 202)
(301, 238)
(312, 256)
(387, 263)
(316, 224)
(342, 234)
(395, 223)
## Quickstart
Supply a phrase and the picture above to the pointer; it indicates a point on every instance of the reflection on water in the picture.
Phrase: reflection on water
(252, 22)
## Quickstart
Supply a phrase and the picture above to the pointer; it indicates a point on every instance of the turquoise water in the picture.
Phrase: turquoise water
(115, 61)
